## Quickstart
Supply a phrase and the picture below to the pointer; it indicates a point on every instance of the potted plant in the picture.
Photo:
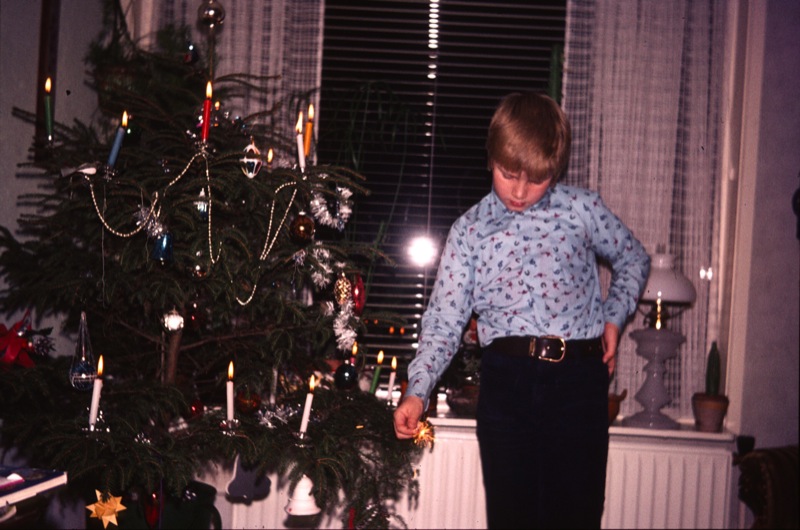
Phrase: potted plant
(710, 407)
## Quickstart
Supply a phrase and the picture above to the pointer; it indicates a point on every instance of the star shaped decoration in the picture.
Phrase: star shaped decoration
(106, 510)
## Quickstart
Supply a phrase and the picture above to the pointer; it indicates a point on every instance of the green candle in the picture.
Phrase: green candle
(48, 109)
(374, 386)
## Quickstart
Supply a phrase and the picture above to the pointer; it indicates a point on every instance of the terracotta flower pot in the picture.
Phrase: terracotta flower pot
(709, 411)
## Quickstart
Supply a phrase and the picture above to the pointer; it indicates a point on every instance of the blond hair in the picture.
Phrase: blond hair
(529, 132)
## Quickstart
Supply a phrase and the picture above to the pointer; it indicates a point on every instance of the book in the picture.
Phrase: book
(20, 483)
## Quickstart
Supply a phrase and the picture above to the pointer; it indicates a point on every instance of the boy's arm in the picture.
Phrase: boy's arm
(445, 317)
(630, 265)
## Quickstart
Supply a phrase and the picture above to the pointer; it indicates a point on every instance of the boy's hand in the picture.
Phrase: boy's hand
(610, 341)
(406, 417)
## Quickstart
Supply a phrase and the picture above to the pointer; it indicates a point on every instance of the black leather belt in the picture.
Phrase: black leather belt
(547, 348)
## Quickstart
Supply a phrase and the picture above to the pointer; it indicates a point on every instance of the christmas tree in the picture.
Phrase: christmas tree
(200, 258)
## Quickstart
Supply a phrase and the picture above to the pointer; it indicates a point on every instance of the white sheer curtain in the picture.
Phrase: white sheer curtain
(642, 89)
(279, 39)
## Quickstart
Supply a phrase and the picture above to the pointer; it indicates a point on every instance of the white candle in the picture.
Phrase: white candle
(301, 156)
(230, 391)
(307, 408)
(392, 377)
(98, 387)
(273, 389)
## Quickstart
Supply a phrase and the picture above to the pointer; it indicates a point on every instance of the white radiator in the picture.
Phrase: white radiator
(668, 482)
(450, 482)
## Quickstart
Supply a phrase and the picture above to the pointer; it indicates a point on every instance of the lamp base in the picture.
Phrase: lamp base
(657, 346)
(650, 420)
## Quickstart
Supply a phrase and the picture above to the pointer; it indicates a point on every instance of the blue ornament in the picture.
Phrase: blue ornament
(346, 377)
(162, 251)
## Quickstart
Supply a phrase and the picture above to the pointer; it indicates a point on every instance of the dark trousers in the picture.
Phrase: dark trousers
(543, 437)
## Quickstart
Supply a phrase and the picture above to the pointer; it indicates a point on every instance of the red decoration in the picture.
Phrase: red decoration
(247, 402)
(359, 295)
(14, 346)
(196, 409)
(152, 510)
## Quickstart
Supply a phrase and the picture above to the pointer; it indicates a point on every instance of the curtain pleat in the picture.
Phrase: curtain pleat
(642, 89)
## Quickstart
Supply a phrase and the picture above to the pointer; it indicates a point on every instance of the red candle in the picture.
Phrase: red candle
(206, 113)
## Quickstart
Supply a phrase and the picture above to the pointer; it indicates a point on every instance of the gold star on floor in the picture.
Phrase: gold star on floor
(106, 510)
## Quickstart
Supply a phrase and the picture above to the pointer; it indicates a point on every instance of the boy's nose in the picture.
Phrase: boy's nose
(518, 190)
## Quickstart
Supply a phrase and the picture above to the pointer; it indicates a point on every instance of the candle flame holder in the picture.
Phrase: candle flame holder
(99, 424)
(301, 439)
(108, 173)
(229, 427)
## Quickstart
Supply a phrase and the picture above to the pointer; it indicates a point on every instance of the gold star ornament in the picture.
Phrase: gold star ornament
(106, 509)
(424, 436)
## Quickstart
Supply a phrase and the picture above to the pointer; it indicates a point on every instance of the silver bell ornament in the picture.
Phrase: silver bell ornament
(302, 501)
(251, 161)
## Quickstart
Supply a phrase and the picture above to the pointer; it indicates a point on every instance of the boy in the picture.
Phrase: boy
(524, 259)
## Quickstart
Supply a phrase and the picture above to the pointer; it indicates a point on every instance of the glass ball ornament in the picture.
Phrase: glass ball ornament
(210, 15)
(82, 374)
(196, 316)
(251, 161)
(196, 409)
(162, 251)
(302, 229)
(345, 377)
(247, 401)
(359, 295)
(201, 205)
(190, 55)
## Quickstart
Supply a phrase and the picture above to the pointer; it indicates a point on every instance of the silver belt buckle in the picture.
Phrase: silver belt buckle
(533, 349)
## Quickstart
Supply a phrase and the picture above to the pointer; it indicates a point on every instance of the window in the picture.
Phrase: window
(409, 88)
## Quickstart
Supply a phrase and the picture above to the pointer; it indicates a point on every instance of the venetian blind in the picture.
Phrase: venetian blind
(408, 89)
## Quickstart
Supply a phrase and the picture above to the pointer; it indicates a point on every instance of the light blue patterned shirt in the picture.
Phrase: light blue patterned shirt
(528, 273)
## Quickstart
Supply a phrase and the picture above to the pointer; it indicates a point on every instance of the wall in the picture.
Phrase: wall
(763, 339)
(80, 22)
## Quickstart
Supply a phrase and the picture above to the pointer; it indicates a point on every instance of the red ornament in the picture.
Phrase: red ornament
(247, 402)
(196, 409)
(302, 229)
(152, 509)
(14, 347)
(359, 295)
